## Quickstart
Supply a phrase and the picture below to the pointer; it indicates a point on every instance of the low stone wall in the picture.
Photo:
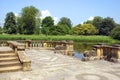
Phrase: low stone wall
(25, 61)
(65, 49)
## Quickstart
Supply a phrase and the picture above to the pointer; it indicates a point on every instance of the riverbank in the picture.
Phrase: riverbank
(46, 65)
(83, 39)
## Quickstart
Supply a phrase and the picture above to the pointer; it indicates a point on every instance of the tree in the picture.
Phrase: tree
(97, 22)
(47, 24)
(107, 25)
(56, 30)
(65, 24)
(115, 33)
(88, 22)
(65, 21)
(38, 26)
(10, 23)
(1, 30)
(85, 29)
(27, 21)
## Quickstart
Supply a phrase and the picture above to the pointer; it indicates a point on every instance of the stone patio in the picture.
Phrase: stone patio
(46, 65)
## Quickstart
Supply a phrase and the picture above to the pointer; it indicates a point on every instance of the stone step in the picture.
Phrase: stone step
(6, 50)
(10, 63)
(7, 54)
(11, 68)
(3, 59)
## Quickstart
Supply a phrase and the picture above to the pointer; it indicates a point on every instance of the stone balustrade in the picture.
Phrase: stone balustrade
(40, 44)
(25, 61)
(108, 52)
(16, 46)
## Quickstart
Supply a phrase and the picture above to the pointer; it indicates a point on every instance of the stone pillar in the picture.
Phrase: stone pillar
(27, 66)
(99, 52)
(69, 48)
(118, 53)
(27, 43)
(16, 50)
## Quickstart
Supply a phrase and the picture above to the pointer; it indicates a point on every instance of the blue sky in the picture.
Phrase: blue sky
(77, 10)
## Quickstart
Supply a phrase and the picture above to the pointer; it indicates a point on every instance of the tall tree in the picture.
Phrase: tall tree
(10, 23)
(47, 24)
(97, 22)
(65, 21)
(107, 25)
(115, 33)
(65, 24)
(28, 19)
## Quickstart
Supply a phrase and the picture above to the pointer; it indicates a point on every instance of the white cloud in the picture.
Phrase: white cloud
(55, 20)
(17, 14)
(91, 18)
(46, 13)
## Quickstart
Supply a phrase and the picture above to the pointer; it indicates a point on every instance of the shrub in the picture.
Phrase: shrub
(116, 33)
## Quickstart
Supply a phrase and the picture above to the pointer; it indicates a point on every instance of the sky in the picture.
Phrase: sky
(77, 10)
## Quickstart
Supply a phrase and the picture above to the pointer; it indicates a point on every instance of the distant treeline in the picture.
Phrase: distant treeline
(29, 22)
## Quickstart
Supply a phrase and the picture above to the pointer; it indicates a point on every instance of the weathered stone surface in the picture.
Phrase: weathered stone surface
(49, 66)
(25, 61)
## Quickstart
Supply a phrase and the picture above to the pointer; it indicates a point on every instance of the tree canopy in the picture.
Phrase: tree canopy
(116, 33)
(10, 24)
(65, 25)
(47, 24)
(107, 25)
(97, 22)
(27, 21)
(85, 29)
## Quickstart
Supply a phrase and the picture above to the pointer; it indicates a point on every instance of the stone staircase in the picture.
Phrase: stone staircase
(9, 60)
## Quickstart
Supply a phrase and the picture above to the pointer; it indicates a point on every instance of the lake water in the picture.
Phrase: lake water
(79, 48)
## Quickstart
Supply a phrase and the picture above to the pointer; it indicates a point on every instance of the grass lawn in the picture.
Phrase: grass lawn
(92, 39)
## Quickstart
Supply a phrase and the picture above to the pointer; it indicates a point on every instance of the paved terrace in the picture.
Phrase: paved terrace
(49, 66)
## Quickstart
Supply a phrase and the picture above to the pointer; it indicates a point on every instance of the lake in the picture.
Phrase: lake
(79, 48)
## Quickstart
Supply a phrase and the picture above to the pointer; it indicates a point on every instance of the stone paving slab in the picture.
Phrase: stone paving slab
(46, 65)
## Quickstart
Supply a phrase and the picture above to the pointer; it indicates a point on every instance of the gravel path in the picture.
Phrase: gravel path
(49, 66)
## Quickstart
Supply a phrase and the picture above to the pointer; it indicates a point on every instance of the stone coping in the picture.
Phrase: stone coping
(22, 56)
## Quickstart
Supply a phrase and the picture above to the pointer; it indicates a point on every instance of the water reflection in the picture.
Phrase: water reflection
(78, 55)
(79, 48)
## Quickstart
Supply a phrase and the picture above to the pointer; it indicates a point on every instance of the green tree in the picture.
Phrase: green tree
(1, 30)
(107, 25)
(56, 30)
(38, 26)
(65, 24)
(85, 29)
(65, 21)
(115, 33)
(27, 21)
(97, 22)
(88, 22)
(10, 23)
(47, 24)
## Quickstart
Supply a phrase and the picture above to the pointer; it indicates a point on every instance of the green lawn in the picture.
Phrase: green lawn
(92, 39)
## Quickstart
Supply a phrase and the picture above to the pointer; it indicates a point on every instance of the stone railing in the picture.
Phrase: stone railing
(3, 43)
(63, 47)
(110, 53)
(38, 44)
(16, 46)
(25, 61)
